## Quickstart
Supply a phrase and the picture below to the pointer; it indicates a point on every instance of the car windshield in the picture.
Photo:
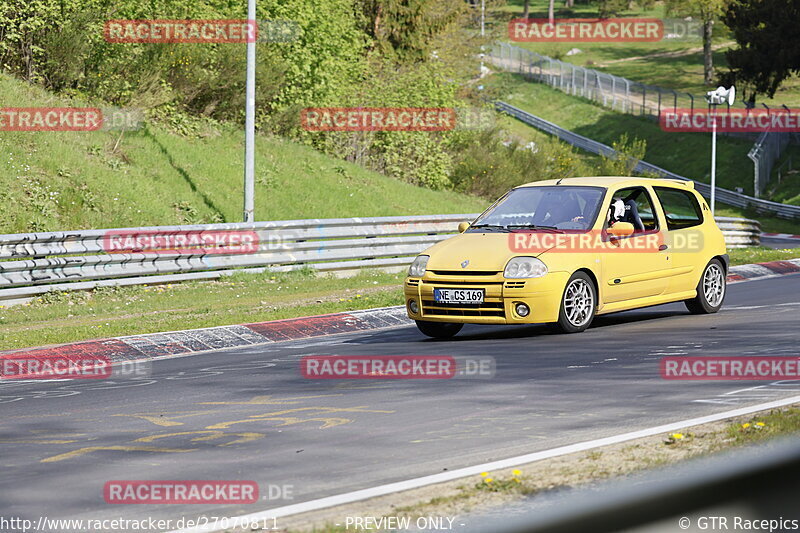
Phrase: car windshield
(549, 207)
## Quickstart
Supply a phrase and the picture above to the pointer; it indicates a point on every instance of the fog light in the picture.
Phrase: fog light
(413, 307)
(522, 310)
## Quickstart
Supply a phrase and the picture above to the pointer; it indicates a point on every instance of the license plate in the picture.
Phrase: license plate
(458, 296)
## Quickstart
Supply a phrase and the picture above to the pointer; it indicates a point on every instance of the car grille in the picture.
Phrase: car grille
(429, 307)
(462, 273)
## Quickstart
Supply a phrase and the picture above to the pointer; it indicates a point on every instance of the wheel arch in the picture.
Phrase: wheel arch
(593, 277)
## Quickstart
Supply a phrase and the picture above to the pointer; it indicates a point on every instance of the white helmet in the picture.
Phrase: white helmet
(617, 211)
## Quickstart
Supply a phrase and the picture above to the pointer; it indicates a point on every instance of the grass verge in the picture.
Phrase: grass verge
(493, 489)
(110, 312)
(760, 254)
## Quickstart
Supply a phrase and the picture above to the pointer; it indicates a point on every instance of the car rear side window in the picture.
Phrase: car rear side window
(680, 208)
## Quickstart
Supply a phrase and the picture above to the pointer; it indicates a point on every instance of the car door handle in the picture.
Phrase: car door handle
(662, 247)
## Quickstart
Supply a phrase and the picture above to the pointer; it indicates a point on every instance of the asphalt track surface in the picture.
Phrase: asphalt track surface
(780, 242)
(247, 414)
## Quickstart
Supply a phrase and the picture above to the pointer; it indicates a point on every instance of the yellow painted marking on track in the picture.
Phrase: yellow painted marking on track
(268, 400)
(246, 437)
(277, 415)
(213, 435)
(160, 419)
(90, 449)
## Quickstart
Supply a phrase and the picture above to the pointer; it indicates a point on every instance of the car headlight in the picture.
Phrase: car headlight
(525, 267)
(417, 268)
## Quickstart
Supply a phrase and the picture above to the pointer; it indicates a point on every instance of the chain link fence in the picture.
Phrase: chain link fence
(614, 92)
(628, 96)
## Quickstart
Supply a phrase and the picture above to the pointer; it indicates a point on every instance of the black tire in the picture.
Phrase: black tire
(570, 318)
(439, 330)
(711, 290)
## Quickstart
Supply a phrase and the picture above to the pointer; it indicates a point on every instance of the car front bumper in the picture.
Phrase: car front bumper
(541, 295)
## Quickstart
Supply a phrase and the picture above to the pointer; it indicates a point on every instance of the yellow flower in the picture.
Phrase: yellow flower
(677, 436)
(746, 425)
(516, 473)
(488, 480)
(760, 424)
(485, 474)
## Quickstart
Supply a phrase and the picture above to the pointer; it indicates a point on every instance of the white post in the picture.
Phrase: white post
(713, 158)
(250, 120)
(483, 17)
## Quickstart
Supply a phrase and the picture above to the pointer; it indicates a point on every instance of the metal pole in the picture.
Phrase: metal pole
(250, 120)
(483, 14)
(713, 157)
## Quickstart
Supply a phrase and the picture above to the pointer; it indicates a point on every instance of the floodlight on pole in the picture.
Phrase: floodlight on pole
(718, 96)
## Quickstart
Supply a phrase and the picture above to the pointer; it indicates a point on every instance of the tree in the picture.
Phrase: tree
(526, 9)
(407, 28)
(769, 44)
(707, 11)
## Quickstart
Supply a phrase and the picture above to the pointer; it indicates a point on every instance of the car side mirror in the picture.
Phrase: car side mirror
(621, 229)
(462, 226)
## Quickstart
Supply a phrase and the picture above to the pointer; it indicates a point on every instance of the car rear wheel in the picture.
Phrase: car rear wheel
(578, 304)
(710, 290)
(439, 330)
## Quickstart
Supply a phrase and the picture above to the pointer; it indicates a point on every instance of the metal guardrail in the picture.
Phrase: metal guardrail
(32, 264)
(579, 141)
(36, 263)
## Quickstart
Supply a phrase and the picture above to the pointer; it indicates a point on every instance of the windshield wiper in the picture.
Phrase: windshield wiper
(485, 226)
(533, 226)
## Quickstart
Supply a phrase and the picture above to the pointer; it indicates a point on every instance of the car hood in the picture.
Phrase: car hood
(484, 251)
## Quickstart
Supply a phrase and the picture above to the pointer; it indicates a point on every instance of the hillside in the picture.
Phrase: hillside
(155, 176)
(687, 154)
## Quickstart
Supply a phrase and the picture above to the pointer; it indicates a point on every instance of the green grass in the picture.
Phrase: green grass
(687, 154)
(760, 254)
(764, 427)
(75, 180)
(683, 73)
(74, 316)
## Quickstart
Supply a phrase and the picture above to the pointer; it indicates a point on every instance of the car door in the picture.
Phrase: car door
(634, 266)
(683, 216)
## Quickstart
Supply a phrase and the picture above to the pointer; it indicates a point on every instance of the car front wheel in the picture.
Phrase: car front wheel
(710, 290)
(439, 330)
(578, 304)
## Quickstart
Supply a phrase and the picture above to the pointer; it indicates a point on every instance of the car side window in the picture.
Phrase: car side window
(681, 208)
(638, 208)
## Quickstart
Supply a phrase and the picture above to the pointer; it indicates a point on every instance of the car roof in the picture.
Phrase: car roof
(609, 181)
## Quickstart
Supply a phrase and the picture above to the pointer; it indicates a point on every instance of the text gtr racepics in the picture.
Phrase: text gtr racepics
(564, 251)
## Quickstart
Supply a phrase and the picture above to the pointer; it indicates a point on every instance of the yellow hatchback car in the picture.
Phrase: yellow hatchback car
(562, 252)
